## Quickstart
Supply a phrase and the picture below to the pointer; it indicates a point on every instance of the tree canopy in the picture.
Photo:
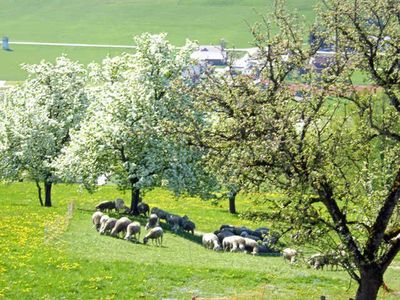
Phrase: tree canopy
(36, 119)
(122, 134)
(334, 152)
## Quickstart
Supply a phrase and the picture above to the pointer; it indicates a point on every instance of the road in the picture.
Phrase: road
(97, 45)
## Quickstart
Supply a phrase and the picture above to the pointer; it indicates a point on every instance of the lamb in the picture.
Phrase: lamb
(108, 226)
(210, 241)
(152, 222)
(106, 206)
(120, 226)
(188, 225)
(96, 219)
(133, 229)
(155, 233)
(143, 209)
(290, 255)
(233, 243)
(252, 245)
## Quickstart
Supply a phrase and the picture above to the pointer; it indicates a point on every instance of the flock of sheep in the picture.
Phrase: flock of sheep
(227, 238)
(235, 239)
(129, 229)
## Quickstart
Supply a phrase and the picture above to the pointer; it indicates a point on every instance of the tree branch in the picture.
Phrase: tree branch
(340, 221)
(382, 219)
(387, 259)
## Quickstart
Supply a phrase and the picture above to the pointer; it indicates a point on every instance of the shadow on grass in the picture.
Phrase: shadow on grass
(188, 236)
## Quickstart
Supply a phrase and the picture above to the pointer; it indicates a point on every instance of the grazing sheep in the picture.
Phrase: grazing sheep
(120, 226)
(152, 222)
(318, 261)
(173, 221)
(96, 219)
(103, 220)
(155, 233)
(106, 206)
(160, 213)
(252, 245)
(210, 241)
(133, 229)
(188, 225)
(290, 255)
(233, 243)
(119, 204)
(108, 226)
(143, 209)
(224, 234)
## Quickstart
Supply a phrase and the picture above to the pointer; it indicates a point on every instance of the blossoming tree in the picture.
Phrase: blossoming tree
(122, 134)
(36, 119)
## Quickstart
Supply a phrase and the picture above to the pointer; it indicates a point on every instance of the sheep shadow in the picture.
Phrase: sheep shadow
(188, 236)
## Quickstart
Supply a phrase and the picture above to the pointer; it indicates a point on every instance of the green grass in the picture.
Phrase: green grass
(48, 254)
(116, 21)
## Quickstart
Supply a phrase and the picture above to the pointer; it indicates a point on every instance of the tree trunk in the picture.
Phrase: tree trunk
(232, 205)
(47, 190)
(135, 193)
(39, 192)
(371, 281)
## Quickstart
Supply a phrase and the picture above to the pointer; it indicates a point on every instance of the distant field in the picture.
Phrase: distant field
(116, 21)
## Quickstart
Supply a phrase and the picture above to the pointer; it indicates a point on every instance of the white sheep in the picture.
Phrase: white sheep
(120, 226)
(96, 219)
(133, 229)
(108, 226)
(155, 233)
(210, 241)
(290, 255)
(103, 220)
(152, 222)
(252, 244)
(234, 243)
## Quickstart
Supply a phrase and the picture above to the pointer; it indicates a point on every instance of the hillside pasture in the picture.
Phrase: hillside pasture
(115, 22)
(55, 253)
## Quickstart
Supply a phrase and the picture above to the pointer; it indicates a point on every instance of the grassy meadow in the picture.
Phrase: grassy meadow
(54, 253)
(116, 21)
